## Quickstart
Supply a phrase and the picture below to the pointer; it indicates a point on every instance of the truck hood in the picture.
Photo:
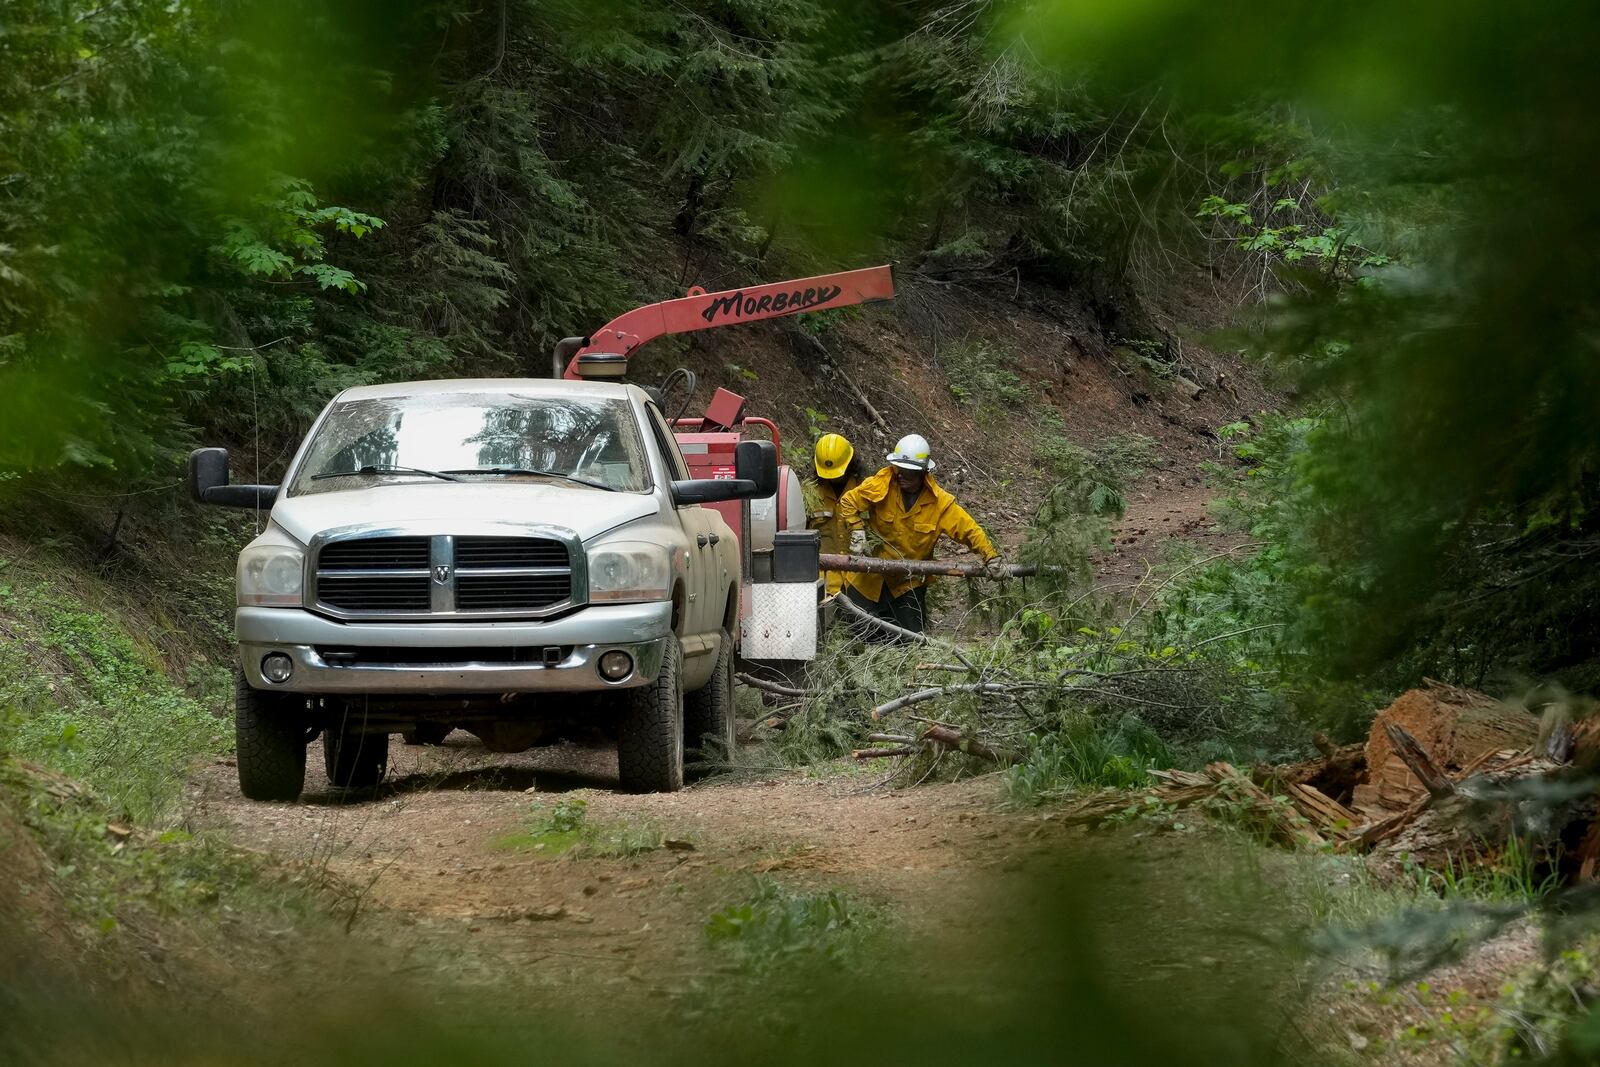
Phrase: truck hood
(437, 506)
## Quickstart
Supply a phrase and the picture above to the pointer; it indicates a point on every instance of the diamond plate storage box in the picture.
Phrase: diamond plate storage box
(782, 623)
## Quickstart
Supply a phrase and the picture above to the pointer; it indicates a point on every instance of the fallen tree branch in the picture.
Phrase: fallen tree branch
(970, 745)
(899, 631)
(880, 753)
(775, 688)
(850, 383)
(921, 695)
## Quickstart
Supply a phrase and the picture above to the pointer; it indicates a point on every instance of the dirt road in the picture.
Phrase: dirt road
(429, 849)
(942, 865)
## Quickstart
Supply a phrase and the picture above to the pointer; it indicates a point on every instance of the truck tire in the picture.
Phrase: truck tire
(271, 743)
(708, 713)
(354, 760)
(650, 735)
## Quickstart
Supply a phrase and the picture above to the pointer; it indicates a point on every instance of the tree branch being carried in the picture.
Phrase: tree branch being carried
(830, 561)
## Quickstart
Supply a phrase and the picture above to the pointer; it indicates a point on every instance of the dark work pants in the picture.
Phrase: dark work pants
(909, 610)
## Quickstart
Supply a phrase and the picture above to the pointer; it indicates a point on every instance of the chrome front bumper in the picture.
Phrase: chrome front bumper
(637, 629)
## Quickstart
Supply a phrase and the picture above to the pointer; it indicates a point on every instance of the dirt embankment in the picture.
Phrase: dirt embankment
(991, 375)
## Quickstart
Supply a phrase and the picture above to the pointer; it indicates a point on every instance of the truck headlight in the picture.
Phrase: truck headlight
(629, 571)
(271, 576)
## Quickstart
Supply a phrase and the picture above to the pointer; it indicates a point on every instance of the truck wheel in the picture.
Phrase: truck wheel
(650, 738)
(708, 712)
(271, 736)
(354, 760)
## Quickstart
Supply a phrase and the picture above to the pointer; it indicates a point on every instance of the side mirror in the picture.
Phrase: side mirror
(757, 461)
(208, 483)
(755, 468)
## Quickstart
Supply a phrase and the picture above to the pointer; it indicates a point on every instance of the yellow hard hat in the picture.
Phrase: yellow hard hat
(833, 455)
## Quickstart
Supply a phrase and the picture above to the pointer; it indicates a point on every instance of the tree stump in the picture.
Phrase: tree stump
(1454, 726)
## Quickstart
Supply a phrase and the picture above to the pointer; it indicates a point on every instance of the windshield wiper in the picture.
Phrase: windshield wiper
(538, 474)
(369, 470)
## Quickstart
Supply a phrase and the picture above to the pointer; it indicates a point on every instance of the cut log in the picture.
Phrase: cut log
(1586, 743)
(1441, 832)
(1453, 726)
(970, 745)
(1588, 854)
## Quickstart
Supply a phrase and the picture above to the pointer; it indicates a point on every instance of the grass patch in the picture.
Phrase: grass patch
(111, 876)
(1085, 753)
(566, 828)
(80, 695)
(778, 926)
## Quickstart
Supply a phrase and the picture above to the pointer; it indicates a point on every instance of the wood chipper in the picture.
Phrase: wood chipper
(778, 613)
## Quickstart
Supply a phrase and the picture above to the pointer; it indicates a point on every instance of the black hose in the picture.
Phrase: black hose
(691, 383)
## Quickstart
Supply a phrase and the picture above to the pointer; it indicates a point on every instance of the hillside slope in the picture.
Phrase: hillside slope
(997, 377)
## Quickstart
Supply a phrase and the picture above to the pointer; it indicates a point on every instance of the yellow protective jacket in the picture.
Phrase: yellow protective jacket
(907, 533)
(825, 519)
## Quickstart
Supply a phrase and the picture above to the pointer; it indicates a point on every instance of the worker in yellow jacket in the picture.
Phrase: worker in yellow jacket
(839, 470)
(909, 512)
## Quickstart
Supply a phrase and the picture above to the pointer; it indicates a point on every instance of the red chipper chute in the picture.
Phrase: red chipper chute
(604, 353)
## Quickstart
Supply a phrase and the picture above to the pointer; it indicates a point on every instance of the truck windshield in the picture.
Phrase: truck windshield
(573, 440)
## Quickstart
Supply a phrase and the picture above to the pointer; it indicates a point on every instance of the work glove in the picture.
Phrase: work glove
(858, 542)
(996, 568)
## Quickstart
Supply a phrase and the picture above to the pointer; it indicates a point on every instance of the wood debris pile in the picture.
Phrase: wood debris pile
(1446, 775)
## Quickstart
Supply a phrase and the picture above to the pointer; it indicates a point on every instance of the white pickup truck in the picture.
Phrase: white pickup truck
(500, 556)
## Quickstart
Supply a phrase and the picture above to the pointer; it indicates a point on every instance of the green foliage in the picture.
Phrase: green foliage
(1073, 522)
(566, 827)
(1450, 504)
(778, 928)
(978, 378)
(114, 879)
(151, 234)
(77, 694)
(1084, 753)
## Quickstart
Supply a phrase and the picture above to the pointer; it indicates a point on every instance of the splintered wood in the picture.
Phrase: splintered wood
(1454, 726)
(1309, 820)
(1434, 761)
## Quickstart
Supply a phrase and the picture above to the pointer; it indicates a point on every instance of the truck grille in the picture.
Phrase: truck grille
(382, 577)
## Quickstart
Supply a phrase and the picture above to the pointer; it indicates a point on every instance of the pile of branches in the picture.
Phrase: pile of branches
(1490, 777)
(1008, 689)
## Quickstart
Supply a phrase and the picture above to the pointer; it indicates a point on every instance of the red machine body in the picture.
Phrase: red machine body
(700, 310)
(708, 445)
(777, 617)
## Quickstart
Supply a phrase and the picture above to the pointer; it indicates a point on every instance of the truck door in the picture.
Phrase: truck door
(702, 570)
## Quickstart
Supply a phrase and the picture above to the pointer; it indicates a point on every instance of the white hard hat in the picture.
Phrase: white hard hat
(912, 453)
